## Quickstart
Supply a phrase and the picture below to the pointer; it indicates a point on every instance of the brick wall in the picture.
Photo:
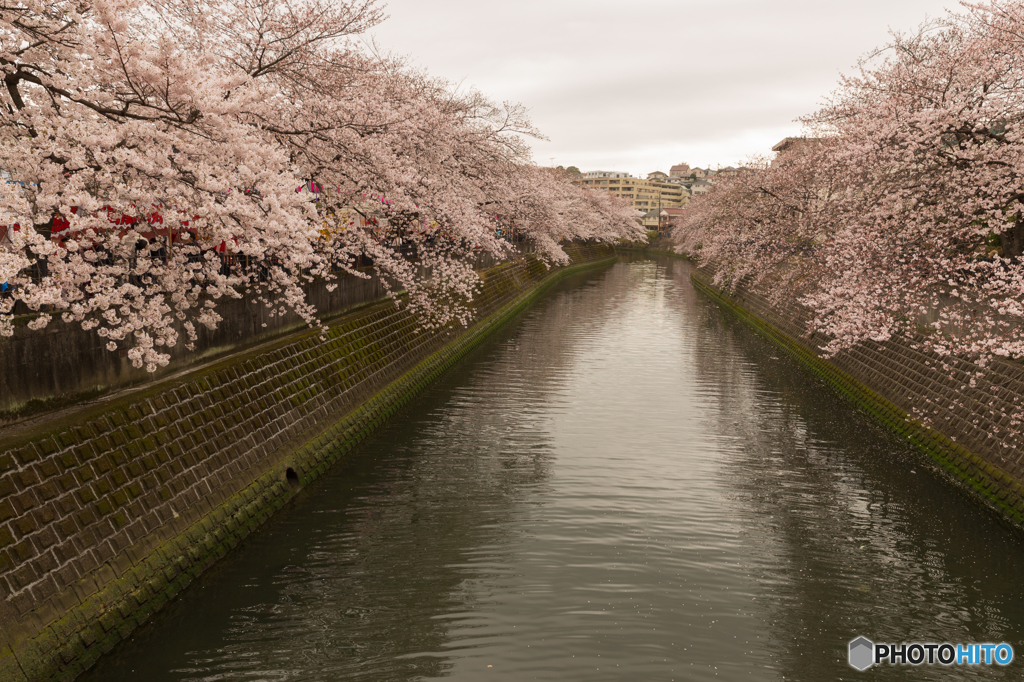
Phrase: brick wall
(109, 512)
(965, 434)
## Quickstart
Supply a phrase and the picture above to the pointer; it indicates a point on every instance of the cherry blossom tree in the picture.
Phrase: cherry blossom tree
(166, 154)
(930, 227)
(906, 219)
(768, 220)
(910, 209)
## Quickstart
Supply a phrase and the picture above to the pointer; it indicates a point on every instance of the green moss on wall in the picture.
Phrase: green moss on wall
(984, 481)
(131, 450)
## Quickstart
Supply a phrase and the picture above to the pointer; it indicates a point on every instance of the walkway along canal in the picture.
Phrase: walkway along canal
(624, 483)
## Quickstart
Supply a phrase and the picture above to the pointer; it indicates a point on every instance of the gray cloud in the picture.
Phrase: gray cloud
(644, 84)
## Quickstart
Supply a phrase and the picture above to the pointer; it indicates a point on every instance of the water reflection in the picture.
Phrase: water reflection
(625, 484)
(860, 536)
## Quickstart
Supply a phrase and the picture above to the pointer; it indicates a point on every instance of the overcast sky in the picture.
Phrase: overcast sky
(639, 85)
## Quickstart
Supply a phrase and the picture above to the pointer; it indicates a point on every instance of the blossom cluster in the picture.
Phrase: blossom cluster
(901, 213)
(158, 156)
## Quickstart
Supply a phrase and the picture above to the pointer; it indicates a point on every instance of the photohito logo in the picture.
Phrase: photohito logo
(864, 653)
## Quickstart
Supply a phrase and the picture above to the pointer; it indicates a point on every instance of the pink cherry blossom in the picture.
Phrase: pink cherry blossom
(903, 215)
(164, 155)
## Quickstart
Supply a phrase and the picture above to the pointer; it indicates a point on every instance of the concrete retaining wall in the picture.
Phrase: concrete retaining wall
(109, 512)
(64, 364)
(966, 434)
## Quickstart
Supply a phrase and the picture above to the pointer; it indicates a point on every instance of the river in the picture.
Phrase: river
(625, 483)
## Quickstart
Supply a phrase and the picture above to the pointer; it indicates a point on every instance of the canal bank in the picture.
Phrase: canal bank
(109, 512)
(625, 482)
(896, 383)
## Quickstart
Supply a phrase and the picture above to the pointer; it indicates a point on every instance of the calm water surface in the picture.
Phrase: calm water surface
(625, 484)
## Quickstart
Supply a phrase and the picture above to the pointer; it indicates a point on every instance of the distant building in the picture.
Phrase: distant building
(658, 176)
(700, 187)
(605, 174)
(683, 182)
(791, 144)
(794, 145)
(652, 219)
(681, 170)
(645, 194)
(661, 219)
(670, 214)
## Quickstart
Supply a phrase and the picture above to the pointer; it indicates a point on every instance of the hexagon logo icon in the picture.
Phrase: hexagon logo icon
(862, 653)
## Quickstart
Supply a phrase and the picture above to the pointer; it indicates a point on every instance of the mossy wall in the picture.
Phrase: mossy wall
(63, 364)
(927, 400)
(108, 513)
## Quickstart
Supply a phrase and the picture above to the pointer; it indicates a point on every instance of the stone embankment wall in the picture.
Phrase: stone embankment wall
(109, 512)
(64, 364)
(928, 400)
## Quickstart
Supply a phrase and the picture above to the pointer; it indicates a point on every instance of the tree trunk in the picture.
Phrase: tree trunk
(46, 230)
(1012, 240)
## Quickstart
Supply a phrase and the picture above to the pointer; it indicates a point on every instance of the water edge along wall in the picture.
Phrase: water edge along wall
(896, 383)
(110, 511)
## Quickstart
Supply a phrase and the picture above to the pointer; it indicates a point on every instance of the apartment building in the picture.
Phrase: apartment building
(605, 174)
(646, 194)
